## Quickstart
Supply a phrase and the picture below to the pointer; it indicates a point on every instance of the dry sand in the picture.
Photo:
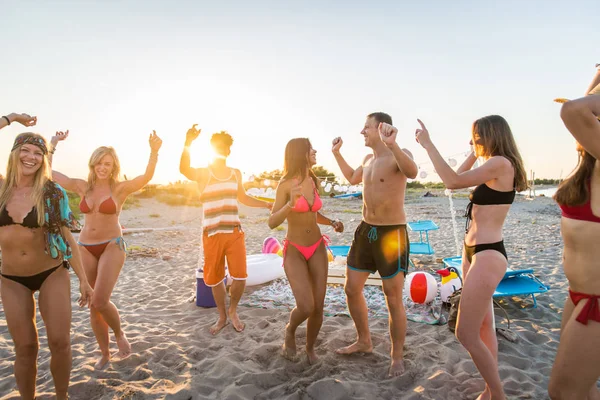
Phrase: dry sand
(176, 358)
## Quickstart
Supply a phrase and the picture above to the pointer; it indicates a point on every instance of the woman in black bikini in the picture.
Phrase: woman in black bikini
(305, 254)
(34, 251)
(101, 242)
(577, 365)
(484, 260)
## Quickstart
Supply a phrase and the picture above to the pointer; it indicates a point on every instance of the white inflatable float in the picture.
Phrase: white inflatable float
(263, 268)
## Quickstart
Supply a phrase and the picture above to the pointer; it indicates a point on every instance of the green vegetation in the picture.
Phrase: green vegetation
(543, 181)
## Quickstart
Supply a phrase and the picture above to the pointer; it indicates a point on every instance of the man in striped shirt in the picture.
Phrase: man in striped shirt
(221, 192)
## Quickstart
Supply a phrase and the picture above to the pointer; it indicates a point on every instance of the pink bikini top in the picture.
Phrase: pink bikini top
(303, 206)
(582, 212)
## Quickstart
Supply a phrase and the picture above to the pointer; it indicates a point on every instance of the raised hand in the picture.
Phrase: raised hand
(86, 291)
(60, 136)
(192, 133)
(295, 193)
(387, 133)
(336, 144)
(23, 119)
(422, 135)
(155, 142)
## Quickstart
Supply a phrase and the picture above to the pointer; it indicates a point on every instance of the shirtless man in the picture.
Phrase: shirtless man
(381, 241)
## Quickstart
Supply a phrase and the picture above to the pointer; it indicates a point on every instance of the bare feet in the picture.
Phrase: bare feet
(312, 356)
(356, 347)
(218, 326)
(486, 395)
(235, 321)
(288, 350)
(396, 368)
(123, 345)
(102, 362)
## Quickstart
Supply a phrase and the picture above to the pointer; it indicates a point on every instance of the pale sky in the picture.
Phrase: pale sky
(112, 71)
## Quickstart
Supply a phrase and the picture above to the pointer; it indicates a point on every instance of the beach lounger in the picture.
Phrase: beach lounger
(519, 282)
(347, 195)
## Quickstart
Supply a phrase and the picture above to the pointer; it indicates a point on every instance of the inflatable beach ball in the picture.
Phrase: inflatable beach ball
(271, 246)
(421, 287)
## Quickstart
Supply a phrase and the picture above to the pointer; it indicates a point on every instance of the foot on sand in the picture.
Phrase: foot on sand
(102, 362)
(356, 347)
(124, 346)
(235, 321)
(396, 368)
(288, 350)
(312, 356)
(486, 395)
(218, 326)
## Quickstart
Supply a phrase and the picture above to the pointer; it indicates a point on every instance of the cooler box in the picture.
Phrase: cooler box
(204, 296)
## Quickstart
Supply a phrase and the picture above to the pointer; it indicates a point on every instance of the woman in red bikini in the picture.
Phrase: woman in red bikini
(101, 241)
(305, 251)
(577, 366)
(36, 243)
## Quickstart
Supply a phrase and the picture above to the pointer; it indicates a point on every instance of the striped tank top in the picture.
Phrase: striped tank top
(220, 204)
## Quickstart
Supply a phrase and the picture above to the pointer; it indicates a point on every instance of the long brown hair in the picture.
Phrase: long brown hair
(296, 162)
(496, 139)
(13, 174)
(95, 159)
(574, 190)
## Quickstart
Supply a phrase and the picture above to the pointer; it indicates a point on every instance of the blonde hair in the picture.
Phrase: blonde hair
(496, 139)
(13, 176)
(97, 155)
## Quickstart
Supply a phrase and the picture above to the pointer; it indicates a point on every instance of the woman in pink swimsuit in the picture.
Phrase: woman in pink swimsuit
(577, 366)
(305, 251)
(100, 242)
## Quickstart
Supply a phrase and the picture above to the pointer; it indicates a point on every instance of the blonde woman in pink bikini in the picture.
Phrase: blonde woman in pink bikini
(305, 252)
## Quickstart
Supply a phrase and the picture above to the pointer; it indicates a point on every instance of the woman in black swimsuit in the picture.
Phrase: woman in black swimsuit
(36, 242)
(484, 259)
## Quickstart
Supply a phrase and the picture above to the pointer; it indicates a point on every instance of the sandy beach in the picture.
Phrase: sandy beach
(175, 357)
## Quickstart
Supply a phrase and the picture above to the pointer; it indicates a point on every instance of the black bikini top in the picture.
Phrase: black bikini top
(483, 195)
(30, 220)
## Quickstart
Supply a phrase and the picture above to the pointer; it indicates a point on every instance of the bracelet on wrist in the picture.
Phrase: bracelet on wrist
(7, 119)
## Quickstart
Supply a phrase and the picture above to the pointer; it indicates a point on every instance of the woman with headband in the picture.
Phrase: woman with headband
(36, 242)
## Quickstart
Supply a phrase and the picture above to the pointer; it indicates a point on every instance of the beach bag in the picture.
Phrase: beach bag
(454, 300)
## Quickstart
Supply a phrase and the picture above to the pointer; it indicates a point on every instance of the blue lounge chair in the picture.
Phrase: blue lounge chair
(519, 282)
(422, 246)
(347, 195)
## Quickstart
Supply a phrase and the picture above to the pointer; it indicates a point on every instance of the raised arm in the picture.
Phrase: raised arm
(581, 119)
(73, 185)
(59, 137)
(404, 158)
(468, 163)
(595, 82)
(243, 197)
(139, 182)
(492, 169)
(23, 119)
(193, 174)
(353, 176)
(282, 207)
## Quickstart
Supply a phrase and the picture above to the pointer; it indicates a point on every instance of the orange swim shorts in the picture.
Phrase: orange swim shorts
(220, 246)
